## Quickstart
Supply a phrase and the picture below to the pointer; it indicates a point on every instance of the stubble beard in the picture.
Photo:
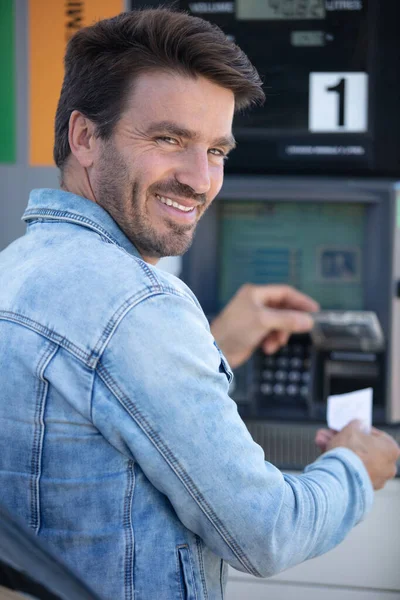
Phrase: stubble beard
(130, 213)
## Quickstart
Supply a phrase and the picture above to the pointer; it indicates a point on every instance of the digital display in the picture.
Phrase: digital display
(313, 61)
(314, 247)
(325, 83)
(279, 10)
(307, 38)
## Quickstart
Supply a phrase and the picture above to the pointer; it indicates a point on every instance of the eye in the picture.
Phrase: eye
(168, 140)
(219, 153)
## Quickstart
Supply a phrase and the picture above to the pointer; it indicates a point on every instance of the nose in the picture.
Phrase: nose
(194, 171)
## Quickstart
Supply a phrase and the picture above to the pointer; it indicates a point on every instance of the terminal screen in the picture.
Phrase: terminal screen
(316, 247)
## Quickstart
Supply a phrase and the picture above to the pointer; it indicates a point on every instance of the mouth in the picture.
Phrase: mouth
(184, 208)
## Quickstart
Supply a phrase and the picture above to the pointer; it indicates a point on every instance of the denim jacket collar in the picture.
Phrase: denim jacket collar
(56, 204)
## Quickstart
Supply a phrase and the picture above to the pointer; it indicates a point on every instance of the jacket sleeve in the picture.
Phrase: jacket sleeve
(168, 408)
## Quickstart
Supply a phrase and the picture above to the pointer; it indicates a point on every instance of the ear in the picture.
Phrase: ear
(81, 138)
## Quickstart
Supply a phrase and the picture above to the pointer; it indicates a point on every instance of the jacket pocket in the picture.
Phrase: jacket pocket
(185, 573)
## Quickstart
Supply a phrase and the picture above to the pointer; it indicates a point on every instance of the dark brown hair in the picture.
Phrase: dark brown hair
(103, 60)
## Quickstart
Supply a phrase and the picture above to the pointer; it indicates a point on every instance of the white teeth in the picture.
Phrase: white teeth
(170, 202)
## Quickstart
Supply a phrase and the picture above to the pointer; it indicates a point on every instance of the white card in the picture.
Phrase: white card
(343, 408)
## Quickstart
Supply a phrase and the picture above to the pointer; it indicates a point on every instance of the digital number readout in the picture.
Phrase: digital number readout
(276, 10)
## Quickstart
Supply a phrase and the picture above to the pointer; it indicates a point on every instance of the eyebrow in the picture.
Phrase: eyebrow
(176, 130)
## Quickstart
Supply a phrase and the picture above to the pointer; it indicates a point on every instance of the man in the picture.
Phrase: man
(120, 446)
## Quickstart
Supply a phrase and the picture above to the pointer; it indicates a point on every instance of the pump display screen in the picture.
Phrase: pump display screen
(328, 72)
(315, 247)
(280, 9)
(306, 51)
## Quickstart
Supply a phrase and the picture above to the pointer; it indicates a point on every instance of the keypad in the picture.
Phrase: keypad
(296, 363)
(279, 389)
(287, 373)
(281, 375)
(292, 390)
(282, 362)
(266, 389)
(268, 375)
(294, 375)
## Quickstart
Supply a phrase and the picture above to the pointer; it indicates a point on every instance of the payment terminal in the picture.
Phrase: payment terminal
(336, 241)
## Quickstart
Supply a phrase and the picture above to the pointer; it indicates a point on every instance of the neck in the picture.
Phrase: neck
(76, 181)
(149, 259)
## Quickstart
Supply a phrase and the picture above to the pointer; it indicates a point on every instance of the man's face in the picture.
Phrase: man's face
(163, 166)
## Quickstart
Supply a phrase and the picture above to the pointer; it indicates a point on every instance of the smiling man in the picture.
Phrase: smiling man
(163, 165)
(120, 446)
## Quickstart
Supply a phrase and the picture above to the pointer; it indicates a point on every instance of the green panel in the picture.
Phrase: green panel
(315, 247)
(7, 82)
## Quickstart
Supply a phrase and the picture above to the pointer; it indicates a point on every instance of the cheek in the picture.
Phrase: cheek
(143, 164)
(156, 163)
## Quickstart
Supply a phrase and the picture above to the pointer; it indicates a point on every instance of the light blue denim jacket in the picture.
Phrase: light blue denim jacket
(119, 445)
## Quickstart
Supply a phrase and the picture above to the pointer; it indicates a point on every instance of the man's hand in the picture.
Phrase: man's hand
(261, 315)
(378, 450)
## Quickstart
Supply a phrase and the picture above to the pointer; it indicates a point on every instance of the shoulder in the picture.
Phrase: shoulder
(77, 286)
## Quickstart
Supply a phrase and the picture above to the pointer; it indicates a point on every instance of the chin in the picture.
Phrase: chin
(159, 249)
(176, 247)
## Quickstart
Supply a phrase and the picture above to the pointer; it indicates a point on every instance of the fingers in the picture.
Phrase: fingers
(284, 296)
(326, 433)
(323, 437)
(287, 321)
(274, 341)
(375, 431)
(283, 323)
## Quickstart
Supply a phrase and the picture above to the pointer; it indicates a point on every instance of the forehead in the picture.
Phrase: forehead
(195, 103)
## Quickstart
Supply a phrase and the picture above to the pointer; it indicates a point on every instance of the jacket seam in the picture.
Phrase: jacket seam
(129, 537)
(145, 267)
(68, 217)
(348, 465)
(179, 575)
(128, 305)
(6, 315)
(90, 359)
(201, 565)
(191, 576)
(38, 436)
(362, 489)
(176, 467)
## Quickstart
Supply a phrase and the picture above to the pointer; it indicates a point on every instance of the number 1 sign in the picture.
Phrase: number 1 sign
(338, 102)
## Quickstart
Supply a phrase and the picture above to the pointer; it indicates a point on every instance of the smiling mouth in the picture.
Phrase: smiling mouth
(169, 202)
